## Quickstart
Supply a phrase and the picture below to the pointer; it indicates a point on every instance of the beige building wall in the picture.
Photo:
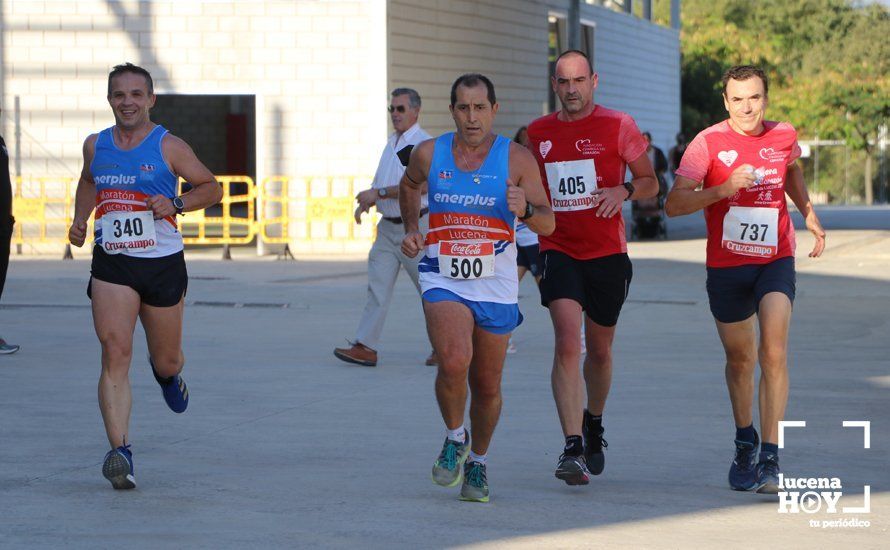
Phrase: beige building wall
(317, 69)
(320, 71)
(432, 43)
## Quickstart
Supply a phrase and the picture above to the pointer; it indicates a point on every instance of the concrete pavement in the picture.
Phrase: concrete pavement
(285, 446)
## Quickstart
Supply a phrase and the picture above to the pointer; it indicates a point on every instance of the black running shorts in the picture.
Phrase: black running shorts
(600, 285)
(528, 257)
(160, 282)
(734, 293)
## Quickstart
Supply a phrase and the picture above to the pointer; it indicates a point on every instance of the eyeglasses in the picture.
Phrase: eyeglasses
(399, 108)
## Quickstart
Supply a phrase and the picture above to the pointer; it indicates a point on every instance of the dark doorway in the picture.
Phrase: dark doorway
(220, 128)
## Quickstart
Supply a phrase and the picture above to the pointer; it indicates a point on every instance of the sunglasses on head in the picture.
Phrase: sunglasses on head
(399, 108)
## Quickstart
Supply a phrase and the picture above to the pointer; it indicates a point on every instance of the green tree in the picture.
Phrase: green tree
(827, 61)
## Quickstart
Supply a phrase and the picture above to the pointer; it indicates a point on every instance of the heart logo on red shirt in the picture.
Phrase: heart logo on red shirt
(728, 157)
(545, 147)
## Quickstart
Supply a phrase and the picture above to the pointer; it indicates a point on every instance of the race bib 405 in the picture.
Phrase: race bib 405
(571, 184)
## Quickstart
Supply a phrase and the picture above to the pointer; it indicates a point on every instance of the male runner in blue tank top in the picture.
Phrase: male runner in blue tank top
(479, 183)
(130, 176)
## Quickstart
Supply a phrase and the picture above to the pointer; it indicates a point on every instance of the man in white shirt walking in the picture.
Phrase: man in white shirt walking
(386, 256)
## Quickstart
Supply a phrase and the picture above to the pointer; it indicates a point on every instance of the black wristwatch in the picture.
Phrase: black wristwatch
(529, 211)
(630, 189)
(178, 205)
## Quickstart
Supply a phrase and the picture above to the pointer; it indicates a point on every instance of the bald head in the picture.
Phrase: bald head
(574, 82)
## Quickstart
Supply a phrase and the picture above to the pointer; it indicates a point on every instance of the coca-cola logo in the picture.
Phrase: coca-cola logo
(467, 249)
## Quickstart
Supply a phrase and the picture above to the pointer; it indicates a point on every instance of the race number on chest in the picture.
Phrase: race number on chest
(128, 231)
(459, 260)
(751, 231)
(571, 184)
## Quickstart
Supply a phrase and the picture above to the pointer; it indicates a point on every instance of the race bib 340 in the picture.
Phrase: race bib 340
(128, 231)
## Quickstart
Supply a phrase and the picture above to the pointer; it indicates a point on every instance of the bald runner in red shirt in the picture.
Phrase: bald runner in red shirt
(583, 152)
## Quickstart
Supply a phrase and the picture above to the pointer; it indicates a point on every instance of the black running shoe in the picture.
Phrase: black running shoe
(572, 470)
(593, 446)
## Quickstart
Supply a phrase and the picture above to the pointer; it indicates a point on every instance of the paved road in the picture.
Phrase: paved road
(284, 446)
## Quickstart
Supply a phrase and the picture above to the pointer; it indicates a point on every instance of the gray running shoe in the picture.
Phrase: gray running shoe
(475, 487)
(118, 468)
(446, 470)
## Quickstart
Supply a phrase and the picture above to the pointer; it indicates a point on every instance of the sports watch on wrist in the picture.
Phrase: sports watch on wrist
(529, 211)
(630, 189)
(178, 205)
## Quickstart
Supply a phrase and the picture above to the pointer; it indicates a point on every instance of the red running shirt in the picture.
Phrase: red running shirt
(575, 158)
(752, 226)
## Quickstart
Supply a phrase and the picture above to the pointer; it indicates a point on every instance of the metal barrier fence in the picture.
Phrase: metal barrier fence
(226, 229)
(43, 208)
(280, 210)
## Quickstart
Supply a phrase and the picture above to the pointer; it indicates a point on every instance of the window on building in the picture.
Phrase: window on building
(558, 43)
(587, 42)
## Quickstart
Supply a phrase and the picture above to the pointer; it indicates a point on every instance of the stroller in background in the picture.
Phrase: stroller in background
(648, 220)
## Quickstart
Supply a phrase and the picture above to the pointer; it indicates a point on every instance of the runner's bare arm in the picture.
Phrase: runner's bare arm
(684, 199)
(797, 191)
(524, 171)
(644, 181)
(85, 197)
(413, 184)
(183, 162)
(410, 190)
(645, 186)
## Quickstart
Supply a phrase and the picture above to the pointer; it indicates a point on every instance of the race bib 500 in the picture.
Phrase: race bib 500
(459, 260)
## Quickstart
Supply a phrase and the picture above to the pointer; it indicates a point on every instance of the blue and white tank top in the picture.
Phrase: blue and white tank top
(524, 235)
(470, 248)
(124, 179)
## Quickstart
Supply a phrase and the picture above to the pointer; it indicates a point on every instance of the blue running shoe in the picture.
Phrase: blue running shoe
(742, 472)
(118, 468)
(176, 394)
(8, 349)
(767, 482)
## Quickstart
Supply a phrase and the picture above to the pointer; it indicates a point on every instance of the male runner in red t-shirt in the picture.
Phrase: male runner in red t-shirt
(745, 166)
(582, 152)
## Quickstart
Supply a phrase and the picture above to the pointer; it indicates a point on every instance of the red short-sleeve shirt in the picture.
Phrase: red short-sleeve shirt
(575, 158)
(752, 226)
